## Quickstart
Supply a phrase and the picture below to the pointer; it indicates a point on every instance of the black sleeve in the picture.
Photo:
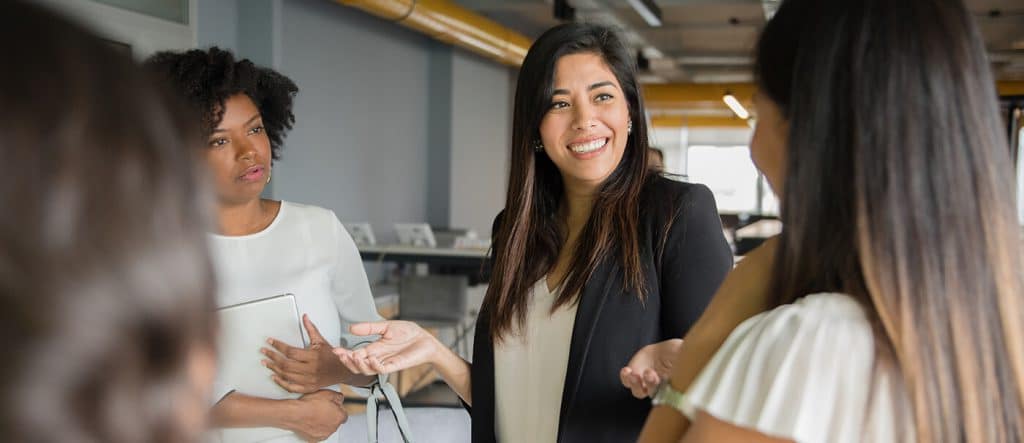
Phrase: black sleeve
(695, 260)
(495, 226)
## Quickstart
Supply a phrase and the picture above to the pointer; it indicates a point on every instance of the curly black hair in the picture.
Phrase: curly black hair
(206, 78)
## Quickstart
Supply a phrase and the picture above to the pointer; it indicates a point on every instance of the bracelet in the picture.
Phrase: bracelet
(669, 396)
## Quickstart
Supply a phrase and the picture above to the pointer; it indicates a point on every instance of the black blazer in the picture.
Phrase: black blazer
(612, 325)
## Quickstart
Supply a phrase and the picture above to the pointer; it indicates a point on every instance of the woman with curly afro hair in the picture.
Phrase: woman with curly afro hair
(264, 247)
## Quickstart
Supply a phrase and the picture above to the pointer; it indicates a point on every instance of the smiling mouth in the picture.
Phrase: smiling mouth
(591, 146)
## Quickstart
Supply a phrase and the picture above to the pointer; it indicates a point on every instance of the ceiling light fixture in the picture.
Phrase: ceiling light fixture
(649, 11)
(737, 108)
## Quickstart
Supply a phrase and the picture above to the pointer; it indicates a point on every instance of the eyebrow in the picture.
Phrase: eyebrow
(589, 88)
(250, 120)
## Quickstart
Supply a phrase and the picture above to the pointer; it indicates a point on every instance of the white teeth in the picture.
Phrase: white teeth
(592, 146)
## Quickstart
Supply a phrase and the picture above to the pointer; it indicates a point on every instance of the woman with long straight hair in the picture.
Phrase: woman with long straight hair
(595, 257)
(106, 285)
(895, 287)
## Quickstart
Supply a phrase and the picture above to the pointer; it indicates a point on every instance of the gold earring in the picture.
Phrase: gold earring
(268, 178)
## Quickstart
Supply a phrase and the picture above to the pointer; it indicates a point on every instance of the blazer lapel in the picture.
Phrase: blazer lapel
(595, 292)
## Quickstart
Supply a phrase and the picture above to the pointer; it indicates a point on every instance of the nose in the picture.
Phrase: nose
(244, 149)
(585, 117)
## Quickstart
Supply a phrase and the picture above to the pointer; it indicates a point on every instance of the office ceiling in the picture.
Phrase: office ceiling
(710, 41)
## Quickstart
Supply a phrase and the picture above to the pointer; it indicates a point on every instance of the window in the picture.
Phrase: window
(734, 180)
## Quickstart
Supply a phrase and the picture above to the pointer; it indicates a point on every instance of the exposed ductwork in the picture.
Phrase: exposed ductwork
(693, 104)
(452, 24)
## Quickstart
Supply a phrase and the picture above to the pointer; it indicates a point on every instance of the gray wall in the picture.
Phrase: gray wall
(481, 136)
(217, 24)
(391, 126)
(359, 145)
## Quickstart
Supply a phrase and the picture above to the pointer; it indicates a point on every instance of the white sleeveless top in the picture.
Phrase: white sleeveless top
(529, 371)
(805, 372)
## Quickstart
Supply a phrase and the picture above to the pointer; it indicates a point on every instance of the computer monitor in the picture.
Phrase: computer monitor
(362, 233)
(415, 234)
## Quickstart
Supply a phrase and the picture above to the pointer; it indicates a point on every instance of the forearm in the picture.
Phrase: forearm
(742, 295)
(347, 377)
(237, 410)
(455, 371)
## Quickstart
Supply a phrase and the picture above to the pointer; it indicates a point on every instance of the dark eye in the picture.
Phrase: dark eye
(603, 97)
(559, 105)
(217, 142)
(256, 130)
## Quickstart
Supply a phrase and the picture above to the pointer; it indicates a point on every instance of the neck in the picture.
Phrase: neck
(242, 218)
(577, 205)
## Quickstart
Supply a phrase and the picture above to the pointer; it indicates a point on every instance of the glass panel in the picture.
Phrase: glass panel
(769, 201)
(173, 10)
(730, 174)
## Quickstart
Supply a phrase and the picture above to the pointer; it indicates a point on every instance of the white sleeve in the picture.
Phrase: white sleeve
(801, 371)
(220, 389)
(350, 287)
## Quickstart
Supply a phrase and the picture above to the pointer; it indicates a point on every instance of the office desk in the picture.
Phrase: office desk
(433, 256)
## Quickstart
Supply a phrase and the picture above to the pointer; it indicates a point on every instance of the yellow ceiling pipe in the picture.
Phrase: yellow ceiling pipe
(452, 24)
(1010, 88)
(702, 95)
(697, 121)
(695, 95)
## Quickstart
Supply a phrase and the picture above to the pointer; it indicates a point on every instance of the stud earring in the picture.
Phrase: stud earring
(538, 146)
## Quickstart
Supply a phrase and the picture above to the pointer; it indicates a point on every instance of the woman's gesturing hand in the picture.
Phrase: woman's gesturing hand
(402, 345)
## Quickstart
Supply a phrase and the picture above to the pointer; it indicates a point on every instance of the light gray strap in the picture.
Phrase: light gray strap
(384, 389)
(371, 415)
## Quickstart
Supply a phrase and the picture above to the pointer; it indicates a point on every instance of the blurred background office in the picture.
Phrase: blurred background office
(400, 124)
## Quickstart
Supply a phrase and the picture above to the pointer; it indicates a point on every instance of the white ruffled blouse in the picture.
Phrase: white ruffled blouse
(805, 372)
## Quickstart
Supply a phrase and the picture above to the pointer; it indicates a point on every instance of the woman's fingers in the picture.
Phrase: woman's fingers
(633, 381)
(370, 328)
(292, 387)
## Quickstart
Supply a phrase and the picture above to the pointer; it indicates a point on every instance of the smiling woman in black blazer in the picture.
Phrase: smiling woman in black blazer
(595, 257)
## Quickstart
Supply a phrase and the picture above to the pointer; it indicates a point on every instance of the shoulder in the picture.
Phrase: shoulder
(812, 329)
(787, 371)
(664, 198)
(315, 216)
(660, 188)
(496, 224)
(810, 315)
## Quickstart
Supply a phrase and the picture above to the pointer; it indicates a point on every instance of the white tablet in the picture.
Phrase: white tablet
(244, 330)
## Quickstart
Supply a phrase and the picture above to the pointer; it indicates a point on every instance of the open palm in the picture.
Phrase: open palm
(402, 344)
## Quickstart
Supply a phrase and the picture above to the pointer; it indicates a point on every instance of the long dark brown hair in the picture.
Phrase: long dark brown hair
(530, 235)
(899, 191)
(106, 289)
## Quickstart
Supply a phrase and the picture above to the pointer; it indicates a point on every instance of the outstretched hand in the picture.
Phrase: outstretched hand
(649, 367)
(402, 345)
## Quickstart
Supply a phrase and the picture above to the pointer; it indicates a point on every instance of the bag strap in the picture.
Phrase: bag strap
(381, 388)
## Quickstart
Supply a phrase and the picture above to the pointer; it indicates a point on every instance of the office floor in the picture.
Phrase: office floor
(448, 425)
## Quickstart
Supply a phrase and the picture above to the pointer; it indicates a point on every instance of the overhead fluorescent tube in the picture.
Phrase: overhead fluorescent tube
(649, 11)
(737, 108)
